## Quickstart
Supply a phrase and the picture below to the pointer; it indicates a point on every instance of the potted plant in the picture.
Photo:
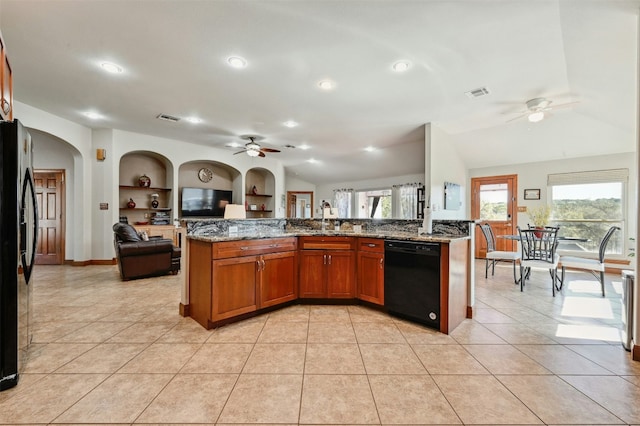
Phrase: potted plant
(539, 215)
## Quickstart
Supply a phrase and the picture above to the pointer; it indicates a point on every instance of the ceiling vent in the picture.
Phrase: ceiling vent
(289, 146)
(167, 117)
(476, 93)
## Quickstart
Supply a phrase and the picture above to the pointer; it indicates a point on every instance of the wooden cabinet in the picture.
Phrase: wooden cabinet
(245, 275)
(6, 85)
(277, 278)
(169, 232)
(234, 287)
(327, 267)
(370, 266)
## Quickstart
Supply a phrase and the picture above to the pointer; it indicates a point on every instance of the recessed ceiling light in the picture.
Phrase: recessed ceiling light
(237, 62)
(370, 149)
(290, 123)
(312, 160)
(194, 120)
(233, 145)
(326, 84)
(304, 146)
(401, 66)
(111, 67)
(92, 115)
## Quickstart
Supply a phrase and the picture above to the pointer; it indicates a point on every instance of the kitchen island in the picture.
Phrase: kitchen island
(231, 276)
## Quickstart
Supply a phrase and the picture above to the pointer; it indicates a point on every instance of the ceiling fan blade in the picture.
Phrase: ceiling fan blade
(559, 106)
(262, 154)
(516, 118)
(269, 150)
(240, 152)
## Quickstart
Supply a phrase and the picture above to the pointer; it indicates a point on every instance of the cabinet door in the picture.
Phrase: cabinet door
(341, 274)
(277, 278)
(371, 277)
(234, 287)
(312, 273)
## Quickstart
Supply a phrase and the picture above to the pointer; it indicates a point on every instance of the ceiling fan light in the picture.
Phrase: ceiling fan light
(534, 117)
(253, 152)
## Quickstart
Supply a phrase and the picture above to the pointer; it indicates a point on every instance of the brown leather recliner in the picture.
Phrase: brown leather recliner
(138, 258)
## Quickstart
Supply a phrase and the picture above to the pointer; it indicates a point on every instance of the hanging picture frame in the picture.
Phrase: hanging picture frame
(532, 194)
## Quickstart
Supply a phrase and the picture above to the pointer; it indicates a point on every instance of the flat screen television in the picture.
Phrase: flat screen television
(205, 202)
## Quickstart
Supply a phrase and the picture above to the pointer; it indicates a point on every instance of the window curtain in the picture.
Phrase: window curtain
(342, 201)
(407, 195)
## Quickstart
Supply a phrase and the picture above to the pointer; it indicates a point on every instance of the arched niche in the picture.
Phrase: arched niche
(223, 176)
(264, 194)
(159, 170)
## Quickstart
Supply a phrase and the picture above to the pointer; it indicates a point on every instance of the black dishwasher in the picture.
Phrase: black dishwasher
(412, 280)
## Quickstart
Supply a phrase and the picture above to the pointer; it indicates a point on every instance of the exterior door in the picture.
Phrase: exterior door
(50, 195)
(493, 200)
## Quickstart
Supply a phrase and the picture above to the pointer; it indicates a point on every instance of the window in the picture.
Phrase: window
(375, 204)
(494, 199)
(342, 201)
(406, 200)
(586, 205)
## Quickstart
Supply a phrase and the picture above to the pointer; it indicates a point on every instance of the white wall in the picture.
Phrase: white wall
(446, 166)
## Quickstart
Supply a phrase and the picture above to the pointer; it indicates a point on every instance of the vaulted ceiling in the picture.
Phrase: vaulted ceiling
(174, 56)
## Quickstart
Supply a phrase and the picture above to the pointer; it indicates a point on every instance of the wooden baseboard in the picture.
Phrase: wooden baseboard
(469, 311)
(635, 352)
(184, 310)
(91, 262)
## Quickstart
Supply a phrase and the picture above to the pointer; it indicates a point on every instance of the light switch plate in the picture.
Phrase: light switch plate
(522, 209)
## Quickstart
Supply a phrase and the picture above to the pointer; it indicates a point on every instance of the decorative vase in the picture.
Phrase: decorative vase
(154, 201)
(262, 207)
(254, 190)
(131, 204)
(144, 181)
(537, 232)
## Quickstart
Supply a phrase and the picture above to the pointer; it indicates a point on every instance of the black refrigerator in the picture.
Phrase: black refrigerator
(18, 238)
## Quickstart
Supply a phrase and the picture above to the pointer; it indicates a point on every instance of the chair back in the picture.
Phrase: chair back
(489, 237)
(605, 241)
(539, 244)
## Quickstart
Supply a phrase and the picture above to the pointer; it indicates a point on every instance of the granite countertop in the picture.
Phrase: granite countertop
(406, 236)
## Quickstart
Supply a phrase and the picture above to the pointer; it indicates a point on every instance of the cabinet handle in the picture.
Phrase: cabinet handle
(329, 259)
(258, 265)
(324, 259)
(264, 265)
(244, 248)
(371, 245)
(273, 245)
(381, 262)
(6, 106)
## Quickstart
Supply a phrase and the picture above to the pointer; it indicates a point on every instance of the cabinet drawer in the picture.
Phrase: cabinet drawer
(375, 245)
(252, 247)
(326, 243)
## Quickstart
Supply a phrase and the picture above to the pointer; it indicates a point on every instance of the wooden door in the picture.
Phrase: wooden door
(494, 200)
(341, 274)
(312, 274)
(292, 204)
(234, 287)
(50, 195)
(371, 277)
(278, 278)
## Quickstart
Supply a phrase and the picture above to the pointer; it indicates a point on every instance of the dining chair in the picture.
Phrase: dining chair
(590, 264)
(538, 250)
(494, 255)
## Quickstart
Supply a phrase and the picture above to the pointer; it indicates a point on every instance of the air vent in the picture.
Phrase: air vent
(289, 146)
(167, 117)
(476, 93)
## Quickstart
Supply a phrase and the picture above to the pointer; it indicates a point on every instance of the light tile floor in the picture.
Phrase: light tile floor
(107, 351)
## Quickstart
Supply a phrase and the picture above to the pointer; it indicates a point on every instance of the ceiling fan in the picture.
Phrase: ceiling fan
(537, 109)
(252, 148)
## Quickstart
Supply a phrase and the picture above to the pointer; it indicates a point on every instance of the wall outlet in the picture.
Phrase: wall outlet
(233, 229)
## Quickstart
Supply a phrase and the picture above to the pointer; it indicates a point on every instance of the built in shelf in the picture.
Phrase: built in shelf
(259, 211)
(258, 195)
